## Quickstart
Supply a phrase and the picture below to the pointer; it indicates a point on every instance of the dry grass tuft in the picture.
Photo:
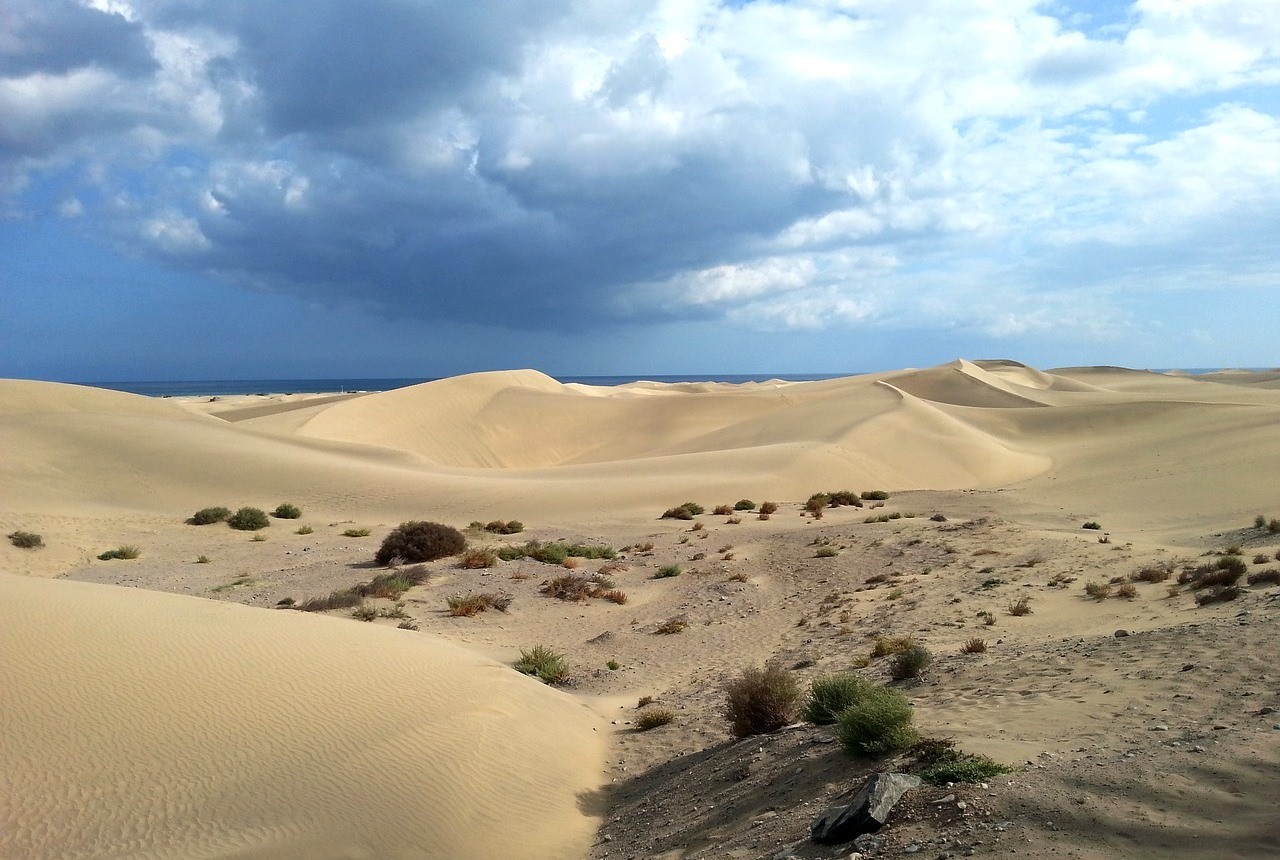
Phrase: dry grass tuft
(476, 559)
(760, 701)
(677, 624)
(653, 718)
(974, 646)
(1021, 606)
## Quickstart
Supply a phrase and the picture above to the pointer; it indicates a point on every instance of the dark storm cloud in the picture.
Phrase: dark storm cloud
(56, 36)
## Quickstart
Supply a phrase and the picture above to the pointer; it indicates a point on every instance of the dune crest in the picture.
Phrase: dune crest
(190, 728)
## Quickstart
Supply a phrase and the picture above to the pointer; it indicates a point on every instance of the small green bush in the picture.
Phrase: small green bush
(910, 663)
(287, 511)
(875, 495)
(668, 571)
(249, 519)
(831, 694)
(304, 530)
(760, 701)
(354, 533)
(416, 541)
(1091, 525)
(878, 723)
(843, 498)
(543, 663)
(26, 540)
(653, 718)
(744, 505)
(938, 762)
(126, 551)
(687, 511)
(507, 527)
(208, 516)
(344, 599)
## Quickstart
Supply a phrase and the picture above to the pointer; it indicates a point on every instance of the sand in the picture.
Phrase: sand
(218, 751)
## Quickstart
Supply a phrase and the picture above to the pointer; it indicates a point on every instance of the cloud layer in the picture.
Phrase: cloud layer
(1004, 168)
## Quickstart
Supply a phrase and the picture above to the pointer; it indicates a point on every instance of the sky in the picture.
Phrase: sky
(219, 189)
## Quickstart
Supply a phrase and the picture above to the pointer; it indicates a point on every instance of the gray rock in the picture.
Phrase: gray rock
(868, 812)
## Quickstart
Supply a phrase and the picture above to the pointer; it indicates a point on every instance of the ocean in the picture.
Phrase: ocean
(213, 387)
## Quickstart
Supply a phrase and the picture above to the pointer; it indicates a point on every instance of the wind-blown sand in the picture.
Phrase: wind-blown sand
(216, 750)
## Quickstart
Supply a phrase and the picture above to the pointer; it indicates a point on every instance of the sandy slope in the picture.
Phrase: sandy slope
(139, 724)
(1017, 458)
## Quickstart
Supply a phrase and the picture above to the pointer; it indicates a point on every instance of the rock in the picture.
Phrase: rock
(868, 812)
(1262, 712)
(867, 842)
(1158, 729)
(1120, 634)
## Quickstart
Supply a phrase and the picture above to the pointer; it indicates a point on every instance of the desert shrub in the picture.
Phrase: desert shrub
(988, 618)
(974, 646)
(344, 599)
(760, 701)
(364, 613)
(26, 540)
(543, 663)
(1127, 591)
(831, 694)
(1273, 526)
(420, 541)
(408, 624)
(938, 762)
(126, 551)
(722, 510)
(1261, 558)
(286, 602)
(203, 559)
(697, 527)
(287, 511)
(687, 511)
(508, 527)
(258, 538)
(653, 718)
(887, 645)
(910, 663)
(1218, 594)
(1091, 525)
(465, 606)
(827, 552)
(1233, 549)
(1021, 606)
(1269, 576)
(476, 559)
(671, 626)
(355, 533)
(733, 521)
(875, 495)
(249, 519)
(815, 504)
(1226, 571)
(304, 530)
(555, 552)
(843, 498)
(1259, 522)
(568, 587)
(1097, 590)
(392, 585)
(208, 516)
(938, 518)
(767, 508)
(613, 595)
(1151, 574)
(744, 505)
(667, 571)
(878, 722)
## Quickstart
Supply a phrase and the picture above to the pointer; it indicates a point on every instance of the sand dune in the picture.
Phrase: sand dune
(139, 724)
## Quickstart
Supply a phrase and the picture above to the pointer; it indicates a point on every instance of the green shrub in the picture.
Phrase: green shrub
(287, 511)
(760, 701)
(354, 533)
(843, 499)
(687, 511)
(1091, 525)
(653, 718)
(416, 541)
(304, 530)
(886, 645)
(343, 599)
(1259, 522)
(910, 663)
(613, 665)
(1097, 590)
(831, 694)
(555, 552)
(938, 762)
(508, 527)
(26, 540)
(668, 571)
(879, 722)
(744, 505)
(249, 519)
(126, 551)
(1273, 526)
(543, 663)
(875, 495)
(208, 516)
(394, 584)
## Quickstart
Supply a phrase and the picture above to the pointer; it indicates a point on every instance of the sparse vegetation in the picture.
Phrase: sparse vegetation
(910, 663)
(477, 559)
(416, 541)
(209, 516)
(671, 626)
(879, 722)
(465, 606)
(568, 587)
(938, 518)
(886, 646)
(509, 527)
(722, 510)
(938, 762)
(974, 646)
(874, 496)
(364, 613)
(1021, 606)
(1127, 590)
(843, 499)
(744, 505)
(813, 507)
(249, 519)
(1097, 590)
(203, 559)
(125, 551)
(356, 533)
(26, 540)
(287, 511)
(304, 530)
(760, 701)
(1227, 571)
(555, 552)
(1151, 574)
(653, 718)
(394, 584)
(1218, 594)
(1092, 525)
(667, 571)
(1270, 576)
(829, 695)
(543, 663)
(767, 508)
(827, 552)
(687, 511)
(613, 665)
(343, 599)
(258, 537)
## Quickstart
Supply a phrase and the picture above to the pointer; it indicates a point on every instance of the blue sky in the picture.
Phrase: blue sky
(232, 189)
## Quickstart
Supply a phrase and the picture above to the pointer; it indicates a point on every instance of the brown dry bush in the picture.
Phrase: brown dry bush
(760, 701)
(1151, 574)
(653, 718)
(974, 646)
(465, 606)
(344, 599)
(570, 587)
(672, 625)
(767, 508)
(1270, 576)
(613, 595)
(1218, 594)
(1097, 590)
(891, 645)
(1128, 590)
(476, 559)
(723, 510)
(1021, 606)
